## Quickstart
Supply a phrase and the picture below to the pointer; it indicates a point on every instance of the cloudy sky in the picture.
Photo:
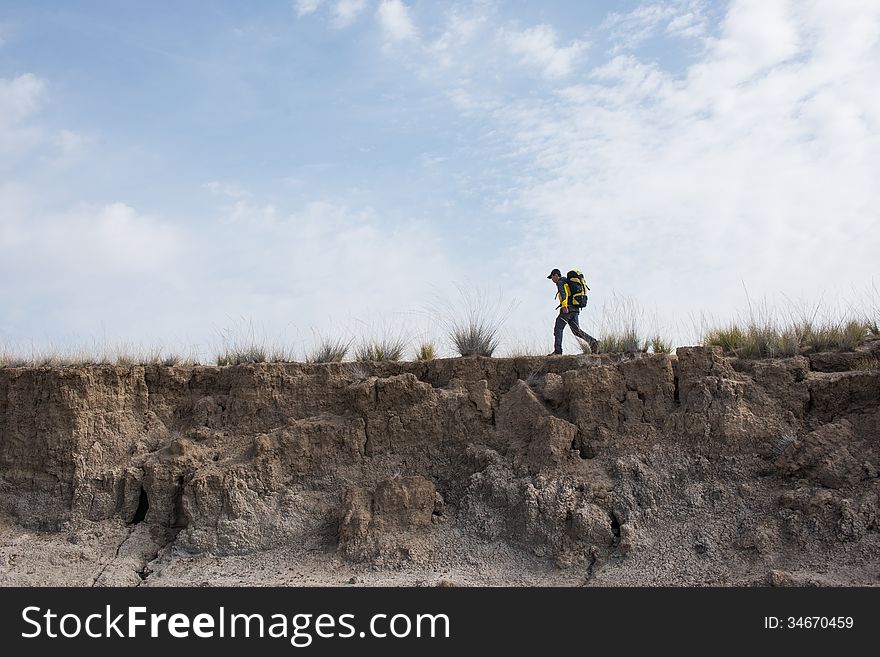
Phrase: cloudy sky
(173, 170)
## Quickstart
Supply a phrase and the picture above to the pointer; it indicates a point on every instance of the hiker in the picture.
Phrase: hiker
(572, 297)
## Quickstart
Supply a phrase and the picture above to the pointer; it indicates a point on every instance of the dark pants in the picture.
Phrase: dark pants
(571, 319)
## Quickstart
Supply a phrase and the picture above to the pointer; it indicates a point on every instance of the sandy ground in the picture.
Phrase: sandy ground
(110, 554)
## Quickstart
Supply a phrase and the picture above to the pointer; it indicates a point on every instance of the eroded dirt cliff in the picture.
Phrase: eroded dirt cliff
(634, 469)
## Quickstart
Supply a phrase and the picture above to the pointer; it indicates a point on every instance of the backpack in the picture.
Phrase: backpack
(578, 287)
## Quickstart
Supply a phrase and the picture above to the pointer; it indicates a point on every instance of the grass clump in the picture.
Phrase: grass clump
(426, 351)
(240, 345)
(829, 337)
(619, 331)
(329, 350)
(852, 335)
(382, 349)
(8, 360)
(614, 343)
(476, 337)
(166, 359)
(153, 356)
(243, 355)
(756, 340)
(730, 338)
(473, 326)
(762, 341)
(251, 354)
(868, 363)
(660, 345)
(769, 339)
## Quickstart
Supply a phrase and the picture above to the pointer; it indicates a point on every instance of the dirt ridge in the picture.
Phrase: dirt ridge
(632, 468)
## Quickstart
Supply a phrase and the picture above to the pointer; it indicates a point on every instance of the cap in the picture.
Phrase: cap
(555, 271)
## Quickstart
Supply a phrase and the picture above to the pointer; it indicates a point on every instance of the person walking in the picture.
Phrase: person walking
(569, 311)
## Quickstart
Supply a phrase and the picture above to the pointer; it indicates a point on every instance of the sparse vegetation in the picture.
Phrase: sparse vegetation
(120, 355)
(730, 338)
(329, 350)
(475, 337)
(473, 326)
(843, 336)
(754, 341)
(767, 340)
(164, 358)
(242, 355)
(805, 330)
(660, 345)
(620, 320)
(240, 345)
(253, 353)
(872, 314)
(387, 348)
(613, 343)
(426, 351)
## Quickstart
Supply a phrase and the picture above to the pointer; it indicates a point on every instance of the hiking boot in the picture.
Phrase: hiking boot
(594, 346)
(555, 353)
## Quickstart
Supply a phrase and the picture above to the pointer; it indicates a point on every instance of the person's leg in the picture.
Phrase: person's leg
(557, 333)
(573, 322)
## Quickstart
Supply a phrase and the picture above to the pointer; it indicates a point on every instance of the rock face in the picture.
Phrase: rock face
(384, 524)
(655, 465)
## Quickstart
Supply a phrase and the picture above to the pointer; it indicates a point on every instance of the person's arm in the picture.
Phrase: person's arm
(563, 294)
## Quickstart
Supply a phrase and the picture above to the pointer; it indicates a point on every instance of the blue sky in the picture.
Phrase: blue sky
(335, 166)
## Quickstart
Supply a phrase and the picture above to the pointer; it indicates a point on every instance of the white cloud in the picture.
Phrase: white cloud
(324, 266)
(681, 18)
(16, 204)
(70, 144)
(690, 24)
(460, 32)
(756, 167)
(756, 35)
(395, 20)
(305, 7)
(92, 269)
(755, 164)
(346, 12)
(230, 190)
(142, 279)
(537, 47)
(111, 240)
(246, 213)
(20, 98)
